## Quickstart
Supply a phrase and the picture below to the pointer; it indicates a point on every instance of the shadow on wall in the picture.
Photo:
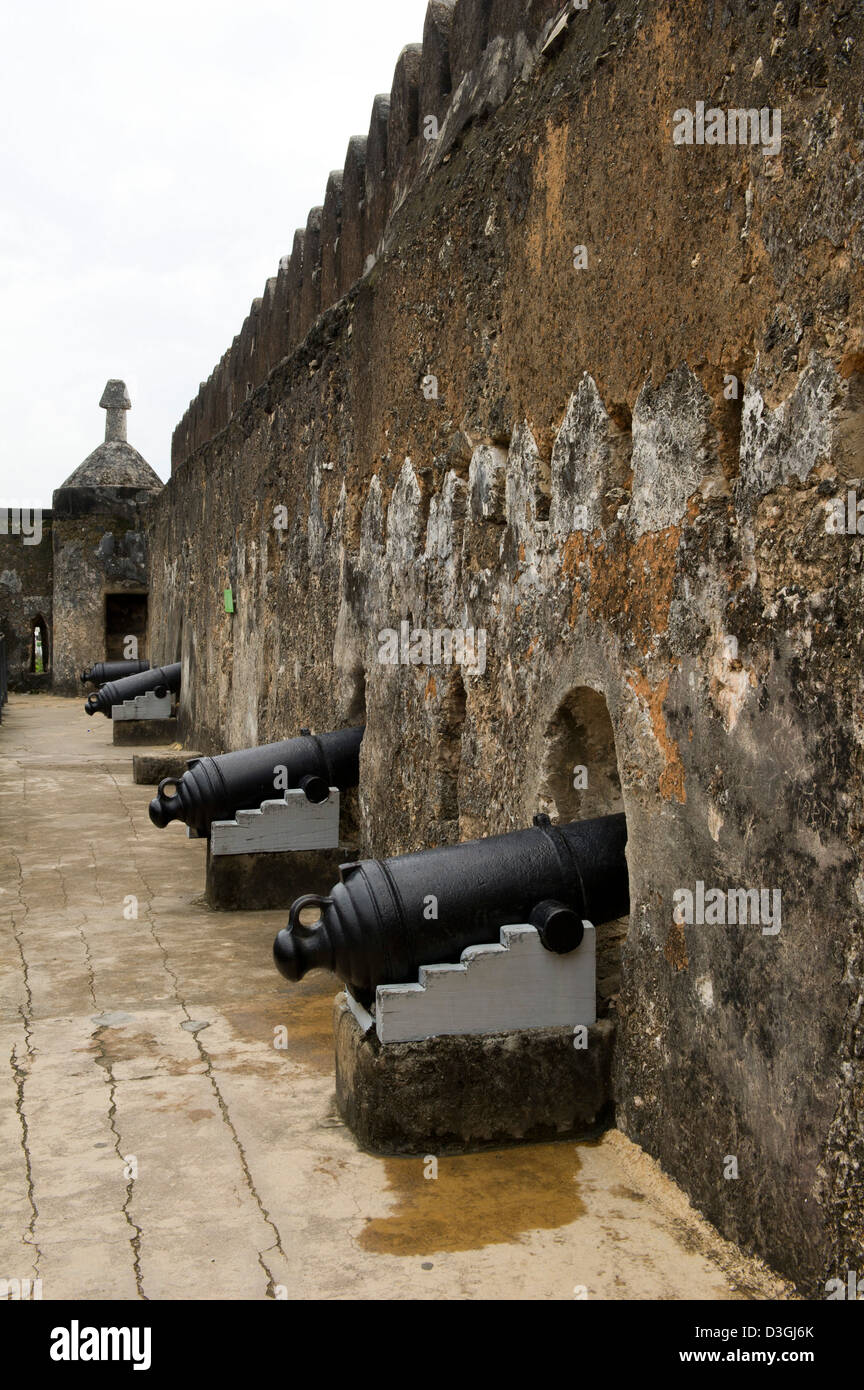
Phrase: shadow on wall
(580, 780)
(355, 715)
(448, 758)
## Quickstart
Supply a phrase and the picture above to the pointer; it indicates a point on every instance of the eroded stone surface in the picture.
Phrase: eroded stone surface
(456, 1093)
(148, 769)
(255, 882)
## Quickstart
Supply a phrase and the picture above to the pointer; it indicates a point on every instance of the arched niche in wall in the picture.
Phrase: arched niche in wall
(579, 780)
(579, 775)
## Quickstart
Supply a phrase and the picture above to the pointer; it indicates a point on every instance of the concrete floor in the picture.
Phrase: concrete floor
(155, 1144)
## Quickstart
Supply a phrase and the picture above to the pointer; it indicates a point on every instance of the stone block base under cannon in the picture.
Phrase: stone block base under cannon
(132, 731)
(148, 769)
(265, 880)
(452, 1094)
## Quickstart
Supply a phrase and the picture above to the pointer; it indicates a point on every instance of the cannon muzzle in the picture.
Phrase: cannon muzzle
(388, 917)
(102, 671)
(217, 788)
(160, 680)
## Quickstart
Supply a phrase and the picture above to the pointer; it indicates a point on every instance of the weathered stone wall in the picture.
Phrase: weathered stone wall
(699, 592)
(100, 547)
(26, 586)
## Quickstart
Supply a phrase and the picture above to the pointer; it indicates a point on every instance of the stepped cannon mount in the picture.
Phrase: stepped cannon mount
(388, 917)
(160, 681)
(215, 789)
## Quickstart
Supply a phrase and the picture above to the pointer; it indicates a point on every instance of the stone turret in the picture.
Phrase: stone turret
(100, 551)
(115, 467)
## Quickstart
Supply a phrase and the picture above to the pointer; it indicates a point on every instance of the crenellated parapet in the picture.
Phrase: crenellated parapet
(331, 239)
(472, 54)
(353, 214)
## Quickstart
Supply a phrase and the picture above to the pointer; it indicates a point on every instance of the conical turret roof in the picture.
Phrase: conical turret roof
(115, 463)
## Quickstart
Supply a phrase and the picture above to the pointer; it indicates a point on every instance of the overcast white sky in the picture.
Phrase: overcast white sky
(155, 160)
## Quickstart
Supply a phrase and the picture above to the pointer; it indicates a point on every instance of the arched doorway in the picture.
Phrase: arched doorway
(40, 646)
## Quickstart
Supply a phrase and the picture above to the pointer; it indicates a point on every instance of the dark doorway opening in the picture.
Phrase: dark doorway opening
(125, 627)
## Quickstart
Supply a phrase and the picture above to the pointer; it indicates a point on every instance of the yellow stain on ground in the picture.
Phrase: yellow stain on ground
(488, 1198)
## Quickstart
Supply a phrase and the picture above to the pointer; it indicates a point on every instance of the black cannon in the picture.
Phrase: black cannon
(160, 680)
(217, 788)
(102, 671)
(388, 917)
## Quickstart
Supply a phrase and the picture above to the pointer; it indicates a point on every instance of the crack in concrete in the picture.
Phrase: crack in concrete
(119, 790)
(148, 918)
(92, 848)
(104, 1062)
(20, 1075)
(223, 1106)
(79, 928)
(26, 1013)
(135, 1239)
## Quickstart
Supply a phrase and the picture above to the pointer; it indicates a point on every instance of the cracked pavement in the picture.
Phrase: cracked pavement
(155, 1144)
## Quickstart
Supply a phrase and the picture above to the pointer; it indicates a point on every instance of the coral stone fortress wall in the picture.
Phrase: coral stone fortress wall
(594, 397)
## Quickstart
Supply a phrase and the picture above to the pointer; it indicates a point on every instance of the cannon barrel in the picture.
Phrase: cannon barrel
(102, 671)
(217, 788)
(160, 680)
(386, 918)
